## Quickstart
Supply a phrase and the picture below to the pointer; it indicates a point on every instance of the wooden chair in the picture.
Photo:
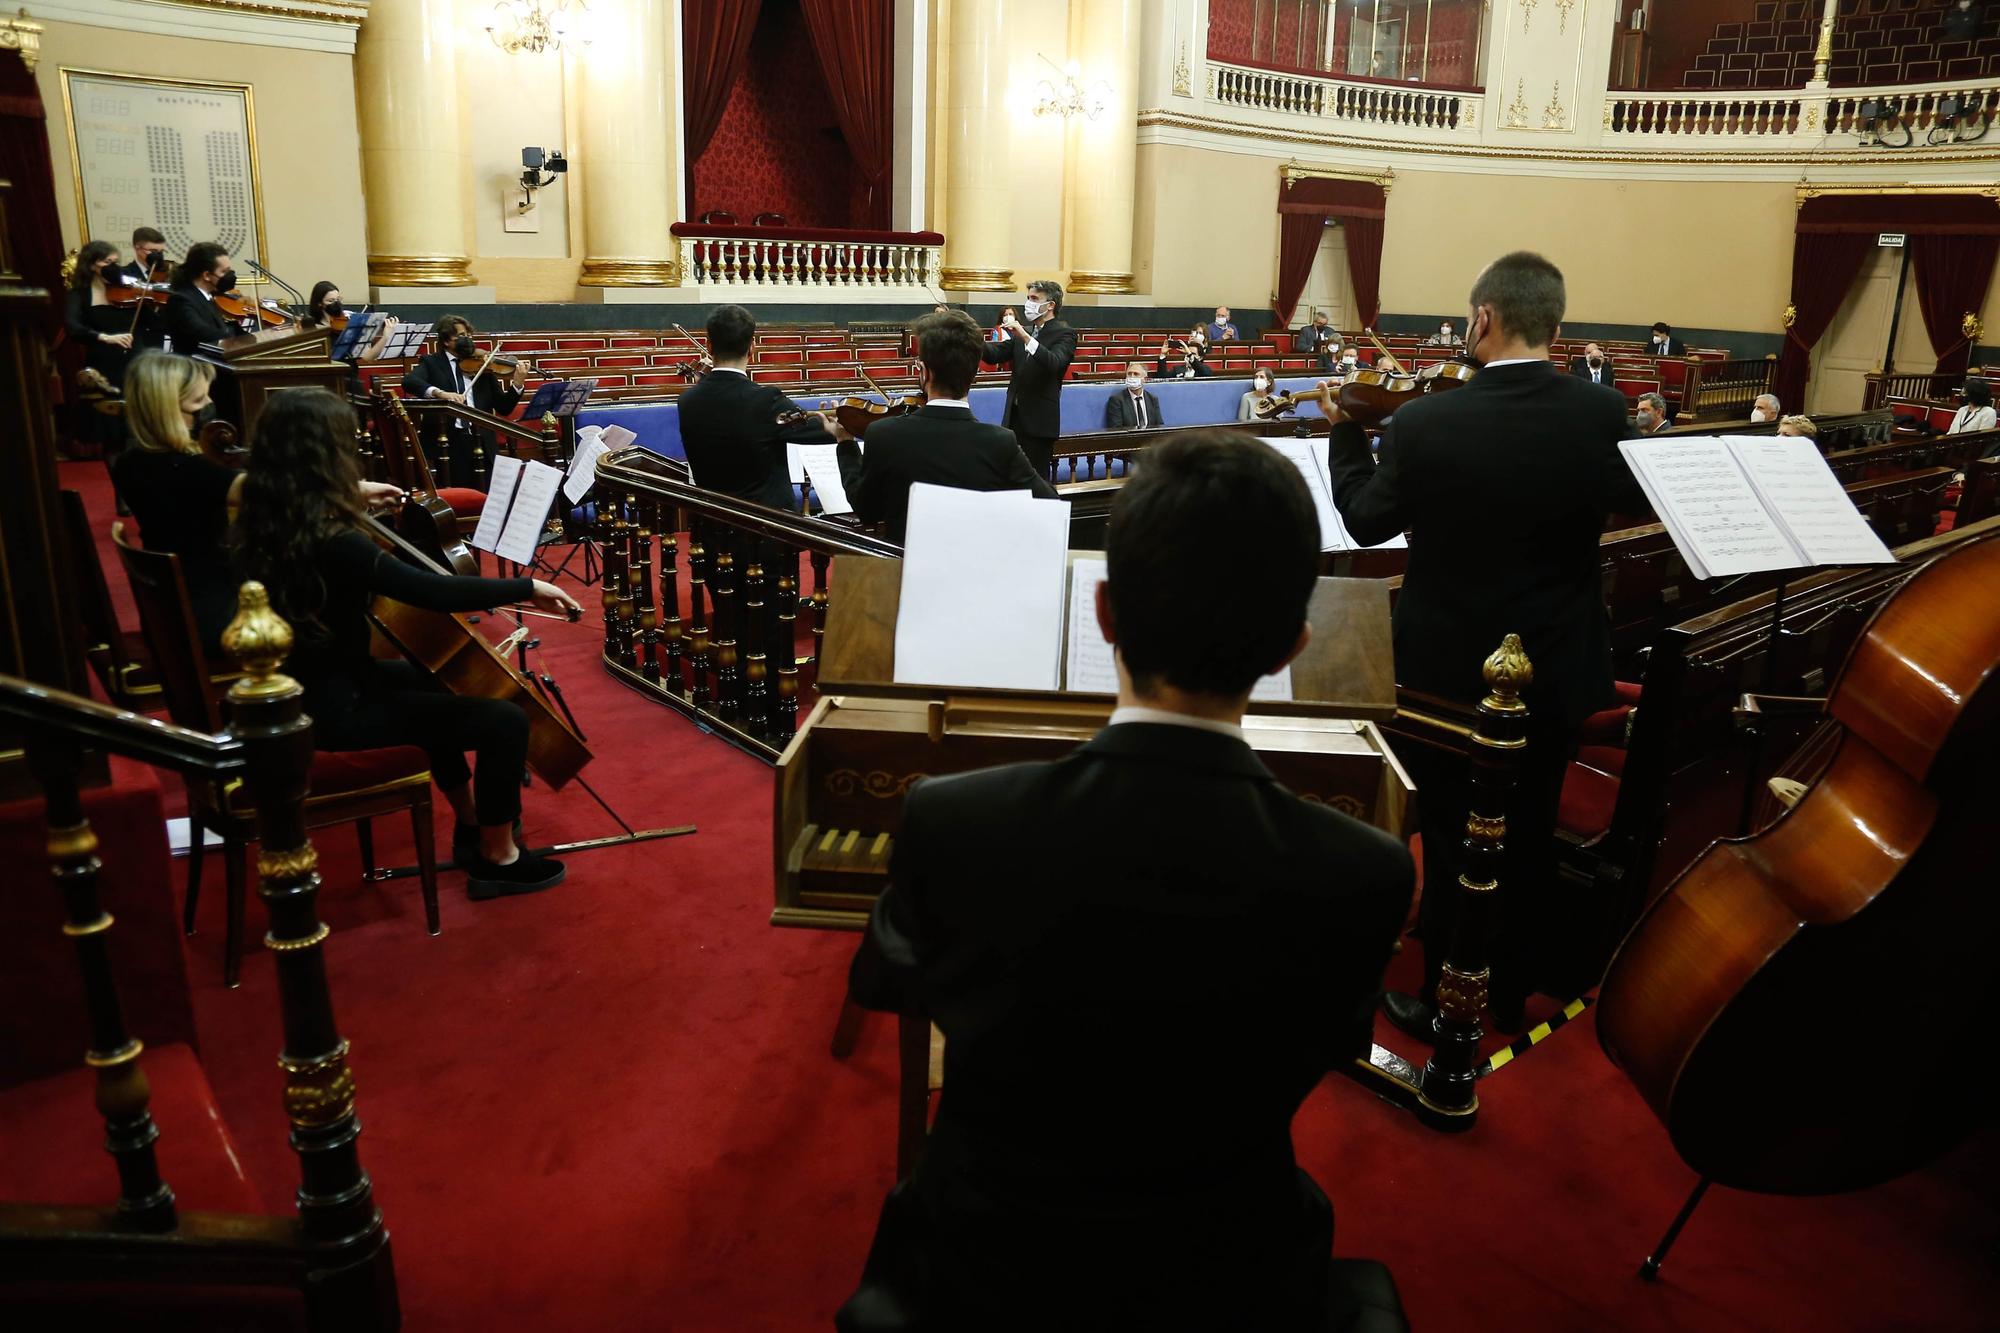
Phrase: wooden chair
(118, 657)
(344, 787)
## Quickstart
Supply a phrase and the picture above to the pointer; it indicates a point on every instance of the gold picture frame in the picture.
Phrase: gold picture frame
(79, 85)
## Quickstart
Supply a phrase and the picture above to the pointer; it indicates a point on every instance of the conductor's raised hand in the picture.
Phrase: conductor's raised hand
(548, 597)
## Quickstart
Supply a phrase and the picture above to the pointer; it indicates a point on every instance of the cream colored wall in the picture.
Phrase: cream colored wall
(308, 146)
(1036, 28)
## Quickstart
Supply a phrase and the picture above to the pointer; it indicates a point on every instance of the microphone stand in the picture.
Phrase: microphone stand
(290, 290)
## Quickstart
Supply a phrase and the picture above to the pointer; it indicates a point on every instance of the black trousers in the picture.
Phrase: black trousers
(403, 706)
(1039, 449)
(1530, 946)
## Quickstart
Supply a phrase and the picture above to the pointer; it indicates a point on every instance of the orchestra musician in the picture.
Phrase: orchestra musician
(1238, 966)
(300, 533)
(325, 311)
(149, 264)
(1503, 486)
(192, 319)
(939, 443)
(452, 374)
(1039, 352)
(104, 332)
(734, 429)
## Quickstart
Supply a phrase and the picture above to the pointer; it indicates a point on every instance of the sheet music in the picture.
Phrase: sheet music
(617, 437)
(582, 475)
(529, 512)
(1800, 490)
(982, 597)
(1090, 664)
(500, 487)
(1332, 534)
(1709, 506)
(823, 468)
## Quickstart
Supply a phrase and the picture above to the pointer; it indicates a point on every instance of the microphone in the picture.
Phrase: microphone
(290, 290)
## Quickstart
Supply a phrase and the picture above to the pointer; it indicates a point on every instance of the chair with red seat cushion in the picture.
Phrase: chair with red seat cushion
(358, 785)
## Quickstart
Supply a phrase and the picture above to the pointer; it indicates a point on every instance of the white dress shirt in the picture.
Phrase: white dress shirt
(1167, 718)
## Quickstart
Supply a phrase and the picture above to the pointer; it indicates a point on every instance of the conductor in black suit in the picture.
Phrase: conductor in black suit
(1131, 1020)
(1503, 489)
(192, 318)
(939, 443)
(1133, 407)
(1039, 348)
(730, 424)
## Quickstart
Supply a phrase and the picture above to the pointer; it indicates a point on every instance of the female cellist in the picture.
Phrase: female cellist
(300, 533)
(104, 331)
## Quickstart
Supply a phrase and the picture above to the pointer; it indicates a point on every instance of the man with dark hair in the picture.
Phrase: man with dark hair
(148, 249)
(939, 443)
(1123, 1056)
(1039, 351)
(1664, 342)
(1319, 340)
(1650, 415)
(192, 318)
(438, 377)
(1503, 488)
(733, 429)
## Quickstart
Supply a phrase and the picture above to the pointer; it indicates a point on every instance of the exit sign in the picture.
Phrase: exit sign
(1892, 240)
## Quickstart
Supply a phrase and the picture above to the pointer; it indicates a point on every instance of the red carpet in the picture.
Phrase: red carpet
(611, 1106)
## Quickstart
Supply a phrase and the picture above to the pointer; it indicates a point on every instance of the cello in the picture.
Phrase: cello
(1751, 1003)
(426, 520)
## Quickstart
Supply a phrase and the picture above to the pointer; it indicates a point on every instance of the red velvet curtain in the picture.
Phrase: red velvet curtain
(33, 230)
(1303, 207)
(1824, 267)
(855, 40)
(1953, 273)
(715, 36)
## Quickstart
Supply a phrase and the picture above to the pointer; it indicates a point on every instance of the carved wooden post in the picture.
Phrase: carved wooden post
(756, 660)
(643, 513)
(1448, 1099)
(613, 586)
(335, 1200)
(785, 644)
(728, 673)
(698, 621)
(123, 1095)
(628, 587)
(670, 603)
(820, 560)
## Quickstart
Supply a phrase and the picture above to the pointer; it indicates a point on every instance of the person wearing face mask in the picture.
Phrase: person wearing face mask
(1135, 407)
(192, 319)
(1446, 336)
(1184, 358)
(438, 377)
(1220, 330)
(940, 443)
(1593, 365)
(1651, 416)
(1664, 342)
(324, 308)
(1261, 387)
(1038, 349)
(1349, 361)
(1319, 341)
(149, 258)
(1503, 487)
(1766, 408)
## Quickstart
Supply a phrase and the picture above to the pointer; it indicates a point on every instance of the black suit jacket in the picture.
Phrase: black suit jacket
(192, 320)
(940, 445)
(1128, 1038)
(734, 444)
(1118, 414)
(152, 329)
(1503, 487)
(437, 370)
(1034, 391)
(1675, 347)
(1579, 366)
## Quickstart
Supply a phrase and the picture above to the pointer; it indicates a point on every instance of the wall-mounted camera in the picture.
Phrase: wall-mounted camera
(539, 168)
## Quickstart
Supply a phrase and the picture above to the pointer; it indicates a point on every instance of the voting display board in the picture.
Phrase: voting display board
(174, 154)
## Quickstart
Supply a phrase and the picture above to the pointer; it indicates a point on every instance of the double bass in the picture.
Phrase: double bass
(1804, 1008)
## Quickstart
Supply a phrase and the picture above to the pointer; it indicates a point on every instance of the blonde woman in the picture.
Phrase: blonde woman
(1798, 426)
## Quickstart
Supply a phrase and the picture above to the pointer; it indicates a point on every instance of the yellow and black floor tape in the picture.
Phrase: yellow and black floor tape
(1533, 1037)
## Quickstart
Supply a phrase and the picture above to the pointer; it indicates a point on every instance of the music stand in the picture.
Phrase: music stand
(360, 331)
(406, 341)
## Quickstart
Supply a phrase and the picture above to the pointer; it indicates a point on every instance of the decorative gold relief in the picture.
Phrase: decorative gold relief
(977, 279)
(73, 843)
(295, 864)
(19, 34)
(1507, 673)
(1812, 117)
(419, 271)
(1485, 828)
(1517, 110)
(258, 641)
(1183, 83)
(1461, 996)
(1552, 114)
(319, 1091)
(1527, 14)
(630, 273)
(876, 783)
(1292, 171)
(1087, 280)
(317, 938)
(1562, 15)
(1971, 327)
(1790, 317)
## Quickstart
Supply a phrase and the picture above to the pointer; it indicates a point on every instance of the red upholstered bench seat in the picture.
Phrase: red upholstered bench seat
(349, 772)
(464, 500)
(1590, 789)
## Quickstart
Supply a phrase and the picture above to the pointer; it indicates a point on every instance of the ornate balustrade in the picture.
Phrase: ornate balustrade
(1921, 387)
(1709, 115)
(774, 262)
(1939, 115)
(1352, 103)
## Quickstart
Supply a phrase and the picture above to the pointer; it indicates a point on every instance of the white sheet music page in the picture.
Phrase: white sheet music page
(1332, 535)
(1320, 444)
(822, 467)
(582, 474)
(1797, 486)
(530, 511)
(500, 487)
(1709, 507)
(983, 582)
(1089, 665)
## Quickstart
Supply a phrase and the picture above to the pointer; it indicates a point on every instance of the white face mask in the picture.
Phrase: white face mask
(1133, 381)
(1034, 309)
(1349, 359)
(1262, 386)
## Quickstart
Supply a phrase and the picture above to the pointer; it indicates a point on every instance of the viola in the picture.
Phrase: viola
(1803, 1008)
(236, 306)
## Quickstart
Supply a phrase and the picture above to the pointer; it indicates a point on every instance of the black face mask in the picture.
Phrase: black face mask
(333, 309)
(1596, 361)
(462, 346)
(227, 282)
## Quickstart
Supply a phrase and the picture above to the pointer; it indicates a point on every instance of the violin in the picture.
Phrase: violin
(1803, 1008)
(1274, 405)
(121, 291)
(505, 365)
(856, 415)
(1370, 397)
(237, 307)
(696, 366)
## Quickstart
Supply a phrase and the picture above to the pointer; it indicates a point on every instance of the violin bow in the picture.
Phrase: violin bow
(1395, 367)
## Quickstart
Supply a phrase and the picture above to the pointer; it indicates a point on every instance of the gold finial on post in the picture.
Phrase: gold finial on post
(1508, 671)
(258, 640)
(19, 34)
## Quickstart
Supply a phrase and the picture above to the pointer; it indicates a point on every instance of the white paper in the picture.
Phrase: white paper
(617, 437)
(529, 513)
(583, 465)
(982, 597)
(1709, 506)
(1275, 688)
(1332, 534)
(500, 487)
(1794, 482)
(1089, 664)
(822, 466)
(795, 462)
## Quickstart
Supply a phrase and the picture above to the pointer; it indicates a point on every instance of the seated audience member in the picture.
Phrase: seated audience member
(1319, 340)
(1665, 344)
(939, 443)
(1651, 416)
(1798, 426)
(1349, 362)
(1134, 407)
(1220, 330)
(1188, 361)
(730, 426)
(1593, 365)
(1060, 1188)
(1766, 408)
(1977, 414)
(1446, 336)
(1960, 22)
(999, 330)
(1261, 387)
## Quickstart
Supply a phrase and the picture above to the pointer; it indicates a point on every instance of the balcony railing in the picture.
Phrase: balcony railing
(1704, 115)
(1930, 116)
(810, 262)
(1353, 102)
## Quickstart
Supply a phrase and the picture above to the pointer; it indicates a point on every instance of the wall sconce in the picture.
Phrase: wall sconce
(1069, 98)
(525, 25)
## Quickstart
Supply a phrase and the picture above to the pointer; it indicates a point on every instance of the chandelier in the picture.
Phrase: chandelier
(1070, 99)
(536, 26)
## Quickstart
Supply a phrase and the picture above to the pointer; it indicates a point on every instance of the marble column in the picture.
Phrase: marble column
(1105, 151)
(406, 80)
(629, 113)
(977, 197)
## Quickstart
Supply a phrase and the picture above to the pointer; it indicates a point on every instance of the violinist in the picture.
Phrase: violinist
(300, 533)
(192, 319)
(104, 332)
(324, 312)
(149, 264)
(734, 429)
(1503, 486)
(1184, 358)
(453, 374)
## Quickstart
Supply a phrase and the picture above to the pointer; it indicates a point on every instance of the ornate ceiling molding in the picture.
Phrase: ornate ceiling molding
(310, 25)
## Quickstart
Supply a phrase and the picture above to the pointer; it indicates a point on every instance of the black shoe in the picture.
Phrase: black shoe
(524, 874)
(465, 843)
(1411, 1014)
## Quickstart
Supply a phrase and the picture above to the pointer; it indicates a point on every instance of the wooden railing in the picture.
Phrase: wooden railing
(801, 261)
(336, 1251)
(1909, 386)
(1722, 390)
(1932, 115)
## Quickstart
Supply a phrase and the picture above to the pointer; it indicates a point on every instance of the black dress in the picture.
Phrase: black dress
(84, 322)
(182, 504)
